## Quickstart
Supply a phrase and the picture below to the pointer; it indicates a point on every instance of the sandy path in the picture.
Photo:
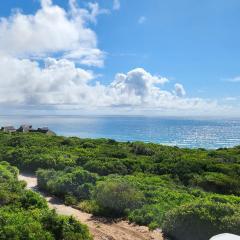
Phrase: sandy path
(100, 229)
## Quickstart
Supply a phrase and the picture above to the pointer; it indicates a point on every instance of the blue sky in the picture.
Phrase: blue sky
(191, 43)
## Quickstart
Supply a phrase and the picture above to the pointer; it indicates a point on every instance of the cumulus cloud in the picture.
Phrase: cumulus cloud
(141, 89)
(25, 82)
(135, 87)
(32, 75)
(61, 82)
(52, 30)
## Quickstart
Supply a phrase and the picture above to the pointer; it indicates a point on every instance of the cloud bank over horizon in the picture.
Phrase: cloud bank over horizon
(45, 60)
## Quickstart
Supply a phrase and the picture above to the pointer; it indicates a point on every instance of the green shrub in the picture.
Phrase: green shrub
(21, 225)
(166, 176)
(75, 182)
(201, 221)
(116, 196)
(148, 215)
(90, 206)
(218, 182)
(70, 200)
(107, 166)
(142, 149)
(31, 200)
(84, 191)
(88, 145)
(24, 214)
(65, 228)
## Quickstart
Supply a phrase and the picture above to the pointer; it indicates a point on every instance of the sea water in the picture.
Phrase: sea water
(182, 132)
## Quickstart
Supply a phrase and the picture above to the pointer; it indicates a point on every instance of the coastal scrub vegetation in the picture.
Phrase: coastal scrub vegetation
(183, 191)
(24, 214)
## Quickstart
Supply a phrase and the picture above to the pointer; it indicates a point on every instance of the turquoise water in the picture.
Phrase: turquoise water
(171, 131)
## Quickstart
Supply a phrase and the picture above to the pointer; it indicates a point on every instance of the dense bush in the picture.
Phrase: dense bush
(218, 182)
(69, 184)
(106, 167)
(25, 215)
(116, 196)
(32, 151)
(142, 149)
(21, 225)
(39, 225)
(165, 179)
(65, 228)
(201, 221)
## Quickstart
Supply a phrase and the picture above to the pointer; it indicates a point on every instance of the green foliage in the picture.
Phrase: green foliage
(161, 195)
(31, 200)
(152, 184)
(70, 183)
(21, 225)
(142, 149)
(217, 182)
(103, 156)
(116, 196)
(65, 228)
(201, 221)
(106, 167)
(24, 214)
(90, 206)
(70, 200)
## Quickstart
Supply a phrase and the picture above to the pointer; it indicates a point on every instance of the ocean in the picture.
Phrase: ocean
(191, 133)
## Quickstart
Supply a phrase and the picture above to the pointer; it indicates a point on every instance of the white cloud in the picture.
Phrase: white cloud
(140, 89)
(25, 82)
(135, 87)
(116, 4)
(230, 99)
(234, 79)
(179, 90)
(142, 20)
(60, 83)
(52, 30)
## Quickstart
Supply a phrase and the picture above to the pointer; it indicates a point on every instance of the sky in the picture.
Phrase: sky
(152, 57)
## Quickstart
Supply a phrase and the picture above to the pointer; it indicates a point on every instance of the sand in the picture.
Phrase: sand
(100, 228)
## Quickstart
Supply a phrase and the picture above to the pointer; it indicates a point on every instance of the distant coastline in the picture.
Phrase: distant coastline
(182, 132)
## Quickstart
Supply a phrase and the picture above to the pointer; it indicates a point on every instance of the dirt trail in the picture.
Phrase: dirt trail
(99, 228)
